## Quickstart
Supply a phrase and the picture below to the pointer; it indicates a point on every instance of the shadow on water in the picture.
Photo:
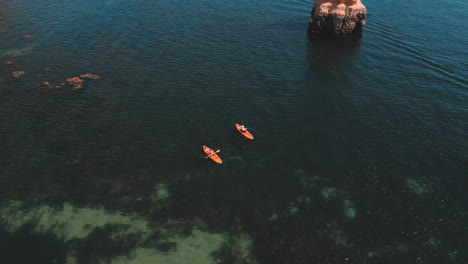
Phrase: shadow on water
(328, 51)
(24, 247)
(331, 61)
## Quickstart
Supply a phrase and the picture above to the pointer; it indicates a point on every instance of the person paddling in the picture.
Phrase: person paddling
(212, 154)
(243, 128)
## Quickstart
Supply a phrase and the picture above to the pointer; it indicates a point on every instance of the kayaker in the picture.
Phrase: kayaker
(243, 130)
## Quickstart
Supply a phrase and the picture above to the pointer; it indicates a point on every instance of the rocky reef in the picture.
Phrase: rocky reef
(337, 17)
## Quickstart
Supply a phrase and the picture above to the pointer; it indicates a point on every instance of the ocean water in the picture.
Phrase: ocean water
(360, 152)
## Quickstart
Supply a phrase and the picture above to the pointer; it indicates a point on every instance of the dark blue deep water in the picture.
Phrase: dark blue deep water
(360, 152)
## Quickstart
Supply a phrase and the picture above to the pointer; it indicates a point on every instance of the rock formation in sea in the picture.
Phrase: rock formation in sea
(337, 17)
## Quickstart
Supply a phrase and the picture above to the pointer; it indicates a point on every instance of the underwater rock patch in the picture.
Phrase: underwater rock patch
(388, 250)
(66, 222)
(337, 235)
(161, 193)
(309, 182)
(196, 248)
(50, 85)
(160, 198)
(241, 245)
(328, 193)
(434, 243)
(93, 235)
(90, 76)
(349, 209)
(415, 186)
(293, 209)
(273, 217)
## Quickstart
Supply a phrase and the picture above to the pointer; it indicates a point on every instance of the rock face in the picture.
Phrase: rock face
(337, 17)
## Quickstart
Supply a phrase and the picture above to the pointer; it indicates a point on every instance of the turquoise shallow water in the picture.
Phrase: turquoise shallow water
(360, 153)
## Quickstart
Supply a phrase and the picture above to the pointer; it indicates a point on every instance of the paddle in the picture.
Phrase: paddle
(215, 152)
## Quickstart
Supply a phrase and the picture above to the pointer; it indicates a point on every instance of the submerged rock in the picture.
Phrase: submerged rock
(161, 193)
(415, 186)
(76, 82)
(18, 74)
(337, 17)
(328, 193)
(103, 236)
(349, 209)
(91, 76)
(50, 85)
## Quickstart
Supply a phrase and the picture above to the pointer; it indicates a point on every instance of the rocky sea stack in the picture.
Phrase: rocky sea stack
(337, 17)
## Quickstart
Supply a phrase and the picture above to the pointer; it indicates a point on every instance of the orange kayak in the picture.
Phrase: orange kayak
(214, 157)
(244, 133)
